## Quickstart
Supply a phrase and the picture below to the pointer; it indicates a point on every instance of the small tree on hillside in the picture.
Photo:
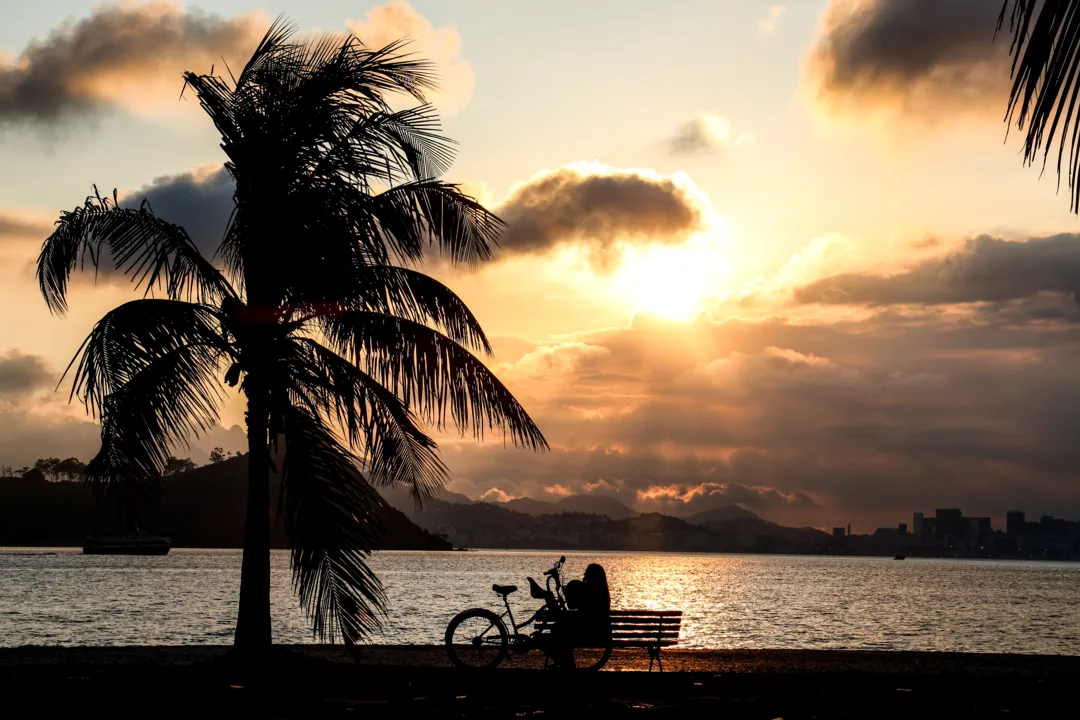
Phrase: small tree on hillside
(176, 466)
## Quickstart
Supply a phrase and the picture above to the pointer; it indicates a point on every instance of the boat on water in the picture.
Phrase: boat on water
(141, 544)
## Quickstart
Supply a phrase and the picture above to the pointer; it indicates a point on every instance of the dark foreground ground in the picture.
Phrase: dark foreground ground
(415, 682)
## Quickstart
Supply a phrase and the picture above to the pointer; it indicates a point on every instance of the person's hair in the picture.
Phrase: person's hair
(596, 576)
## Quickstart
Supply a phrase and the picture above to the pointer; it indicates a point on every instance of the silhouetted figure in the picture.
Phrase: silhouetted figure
(587, 620)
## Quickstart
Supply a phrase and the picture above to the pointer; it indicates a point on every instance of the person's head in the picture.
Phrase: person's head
(595, 574)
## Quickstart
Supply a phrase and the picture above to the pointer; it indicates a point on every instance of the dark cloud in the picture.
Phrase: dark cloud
(201, 201)
(21, 374)
(988, 269)
(116, 55)
(599, 206)
(916, 57)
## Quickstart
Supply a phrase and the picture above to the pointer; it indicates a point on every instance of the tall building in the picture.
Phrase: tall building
(917, 527)
(1014, 523)
(951, 528)
(979, 532)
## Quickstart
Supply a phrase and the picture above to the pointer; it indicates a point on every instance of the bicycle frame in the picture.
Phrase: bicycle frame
(509, 613)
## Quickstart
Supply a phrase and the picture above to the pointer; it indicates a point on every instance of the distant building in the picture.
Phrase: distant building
(1014, 523)
(979, 532)
(951, 528)
(903, 528)
(838, 532)
(917, 526)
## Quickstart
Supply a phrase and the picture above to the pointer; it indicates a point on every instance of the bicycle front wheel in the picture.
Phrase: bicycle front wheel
(476, 639)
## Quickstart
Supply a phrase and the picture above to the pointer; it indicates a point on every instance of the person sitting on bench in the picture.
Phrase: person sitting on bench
(587, 623)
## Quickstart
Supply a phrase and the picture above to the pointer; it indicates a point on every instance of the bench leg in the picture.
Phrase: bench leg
(654, 656)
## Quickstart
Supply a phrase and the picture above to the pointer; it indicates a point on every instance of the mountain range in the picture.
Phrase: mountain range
(586, 522)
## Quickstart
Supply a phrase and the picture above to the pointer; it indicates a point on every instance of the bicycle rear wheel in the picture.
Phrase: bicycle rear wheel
(476, 639)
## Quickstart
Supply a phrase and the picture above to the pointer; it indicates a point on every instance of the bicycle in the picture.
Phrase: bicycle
(479, 639)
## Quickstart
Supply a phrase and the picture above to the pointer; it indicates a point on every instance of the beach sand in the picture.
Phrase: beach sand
(405, 682)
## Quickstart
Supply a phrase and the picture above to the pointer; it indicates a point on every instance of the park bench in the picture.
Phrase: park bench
(650, 630)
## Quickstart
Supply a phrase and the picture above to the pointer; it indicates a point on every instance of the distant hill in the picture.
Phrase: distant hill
(529, 506)
(203, 508)
(724, 514)
(597, 505)
(590, 504)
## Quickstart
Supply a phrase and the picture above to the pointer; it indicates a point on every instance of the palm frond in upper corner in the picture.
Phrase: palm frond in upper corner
(1046, 63)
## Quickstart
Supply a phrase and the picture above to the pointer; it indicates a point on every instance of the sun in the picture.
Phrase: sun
(673, 281)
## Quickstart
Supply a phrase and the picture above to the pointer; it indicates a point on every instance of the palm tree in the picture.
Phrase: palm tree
(341, 347)
(1046, 63)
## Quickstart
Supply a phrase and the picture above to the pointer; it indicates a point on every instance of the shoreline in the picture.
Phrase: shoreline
(393, 682)
(676, 660)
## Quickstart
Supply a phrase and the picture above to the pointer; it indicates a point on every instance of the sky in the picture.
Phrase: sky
(784, 255)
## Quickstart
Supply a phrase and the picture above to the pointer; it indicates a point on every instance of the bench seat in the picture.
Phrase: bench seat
(651, 630)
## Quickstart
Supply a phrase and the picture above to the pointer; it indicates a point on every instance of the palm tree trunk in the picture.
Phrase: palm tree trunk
(253, 618)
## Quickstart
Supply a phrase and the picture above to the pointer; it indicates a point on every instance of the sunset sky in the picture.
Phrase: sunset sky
(775, 254)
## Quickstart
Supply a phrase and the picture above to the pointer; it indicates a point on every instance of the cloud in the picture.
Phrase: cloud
(924, 59)
(987, 269)
(770, 22)
(21, 374)
(395, 20)
(120, 55)
(815, 419)
(495, 495)
(21, 235)
(200, 200)
(707, 133)
(685, 499)
(600, 206)
(15, 226)
(131, 56)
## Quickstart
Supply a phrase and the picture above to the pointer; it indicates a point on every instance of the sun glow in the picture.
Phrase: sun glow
(675, 282)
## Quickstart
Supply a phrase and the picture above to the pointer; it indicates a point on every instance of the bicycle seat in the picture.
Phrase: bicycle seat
(504, 590)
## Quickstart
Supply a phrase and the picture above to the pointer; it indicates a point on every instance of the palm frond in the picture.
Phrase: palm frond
(145, 247)
(436, 377)
(380, 427)
(1046, 62)
(149, 370)
(402, 292)
(412, 217)
(329, 514)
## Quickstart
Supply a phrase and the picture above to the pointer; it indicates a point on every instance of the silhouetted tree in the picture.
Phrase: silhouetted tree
(175, 466)
(342, 350)
(218, 455)
(69, 470)
(1046, 87)
(47, 466)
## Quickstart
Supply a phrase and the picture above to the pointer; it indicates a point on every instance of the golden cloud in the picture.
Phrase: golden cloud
(120, 55)
(442, 46)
